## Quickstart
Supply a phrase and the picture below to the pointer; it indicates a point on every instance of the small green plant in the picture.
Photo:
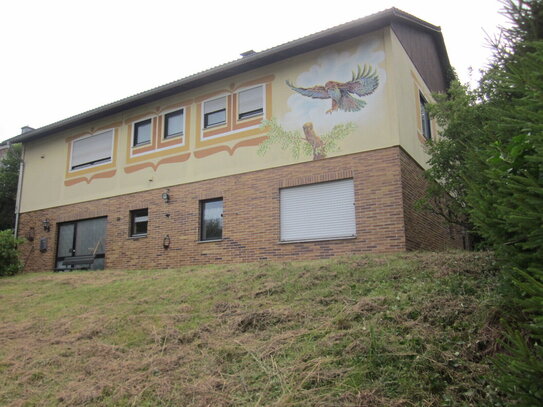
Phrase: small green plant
(9, 256)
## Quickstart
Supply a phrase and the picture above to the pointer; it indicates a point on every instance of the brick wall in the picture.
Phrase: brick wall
(251, 217)
(423, 230)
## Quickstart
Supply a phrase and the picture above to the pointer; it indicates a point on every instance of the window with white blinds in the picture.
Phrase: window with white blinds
(215, 112)
(318, 211)
(92, 150)
(250, 102)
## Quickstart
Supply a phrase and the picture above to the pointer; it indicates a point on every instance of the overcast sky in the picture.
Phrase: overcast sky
(60, 58)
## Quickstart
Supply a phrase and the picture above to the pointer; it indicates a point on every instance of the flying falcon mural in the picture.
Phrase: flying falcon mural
(363, 83)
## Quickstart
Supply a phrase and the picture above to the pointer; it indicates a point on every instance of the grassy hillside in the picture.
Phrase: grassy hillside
(411, 329)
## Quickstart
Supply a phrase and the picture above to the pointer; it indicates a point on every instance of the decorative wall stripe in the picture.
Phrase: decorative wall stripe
(88, 180)
(230, 150)
(169, 160)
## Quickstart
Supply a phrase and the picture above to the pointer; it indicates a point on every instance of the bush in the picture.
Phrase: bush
(9, 256)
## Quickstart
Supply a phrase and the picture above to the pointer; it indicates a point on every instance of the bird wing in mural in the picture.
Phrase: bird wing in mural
(363, 83)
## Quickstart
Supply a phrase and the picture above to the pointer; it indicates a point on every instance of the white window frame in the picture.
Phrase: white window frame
(98, 163)
(250, 116)
(164, 136)
(204, 127)
(134, 132)
(426, 122)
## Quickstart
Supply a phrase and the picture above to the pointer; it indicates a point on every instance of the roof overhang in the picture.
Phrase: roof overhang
(309, 43)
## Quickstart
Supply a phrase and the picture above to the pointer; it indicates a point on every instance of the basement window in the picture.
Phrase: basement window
(211, 211)
(138, 222)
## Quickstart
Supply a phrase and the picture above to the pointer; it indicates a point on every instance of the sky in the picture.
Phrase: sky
(60, 58)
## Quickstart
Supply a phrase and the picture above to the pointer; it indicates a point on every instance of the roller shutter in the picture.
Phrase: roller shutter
(318, 211)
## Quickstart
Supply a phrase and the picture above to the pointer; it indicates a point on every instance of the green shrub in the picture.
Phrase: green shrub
(9, 256)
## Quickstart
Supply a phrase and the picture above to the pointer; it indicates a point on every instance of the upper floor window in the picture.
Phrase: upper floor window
(215, 112)
(92, 150)
(425, 119)
(250, 102)
(142, 132)
(174, 124)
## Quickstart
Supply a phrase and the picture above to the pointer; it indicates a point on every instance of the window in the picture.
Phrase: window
(250, 102)
(211, 219)
(142, 132)
(425, 118)
(215, 112)
(92, 150)
(174, 124)
(138, 222)
(318, 211)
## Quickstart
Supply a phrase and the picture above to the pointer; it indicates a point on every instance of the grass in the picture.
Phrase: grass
(415, 329)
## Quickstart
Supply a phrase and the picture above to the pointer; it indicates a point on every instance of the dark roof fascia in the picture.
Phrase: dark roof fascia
(309, 43)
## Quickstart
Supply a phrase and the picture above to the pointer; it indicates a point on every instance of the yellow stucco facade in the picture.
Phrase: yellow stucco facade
(388, 116)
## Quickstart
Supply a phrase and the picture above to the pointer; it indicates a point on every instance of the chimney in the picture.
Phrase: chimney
(26, 129)
(247, 53)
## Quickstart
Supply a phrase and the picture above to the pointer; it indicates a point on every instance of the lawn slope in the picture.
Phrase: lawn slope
(412, 329)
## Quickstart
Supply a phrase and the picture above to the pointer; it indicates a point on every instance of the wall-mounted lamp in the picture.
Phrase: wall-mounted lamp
(46, 225)
(166, 196)
(166, 242)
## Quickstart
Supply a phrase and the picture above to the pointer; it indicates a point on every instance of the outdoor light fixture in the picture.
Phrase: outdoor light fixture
(46, 225)
(166, 242)
(166, 196)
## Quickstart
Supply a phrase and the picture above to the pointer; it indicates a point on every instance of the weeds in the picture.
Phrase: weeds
(412, 329)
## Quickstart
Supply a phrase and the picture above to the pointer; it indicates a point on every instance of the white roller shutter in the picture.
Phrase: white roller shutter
(215, 105)
(318, 211)
(250, 100)
(92, 149)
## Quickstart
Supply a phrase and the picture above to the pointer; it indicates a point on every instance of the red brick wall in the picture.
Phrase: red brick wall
(251, 216)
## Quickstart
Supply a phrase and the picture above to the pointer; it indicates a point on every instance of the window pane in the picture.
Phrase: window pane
(142, 132)
(92, 150)
(139, 220)
(212, 119)
(174, 124)
(91, 237)
(211, 228)
(250, 102)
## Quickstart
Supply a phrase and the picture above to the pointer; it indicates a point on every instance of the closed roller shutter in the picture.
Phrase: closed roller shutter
(318, 211)
(93, 149)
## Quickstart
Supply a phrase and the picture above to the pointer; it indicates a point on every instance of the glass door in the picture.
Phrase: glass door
(82, 238)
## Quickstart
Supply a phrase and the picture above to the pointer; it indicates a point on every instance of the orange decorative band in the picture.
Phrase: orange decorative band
(88, 180)
(230, 150)
(170, 160)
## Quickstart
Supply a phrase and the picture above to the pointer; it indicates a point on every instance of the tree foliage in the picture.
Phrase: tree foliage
(9, 177)
(490, 161)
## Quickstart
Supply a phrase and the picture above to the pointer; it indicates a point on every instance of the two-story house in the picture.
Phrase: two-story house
(310, 149)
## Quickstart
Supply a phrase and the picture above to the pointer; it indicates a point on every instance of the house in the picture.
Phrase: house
(311, 149)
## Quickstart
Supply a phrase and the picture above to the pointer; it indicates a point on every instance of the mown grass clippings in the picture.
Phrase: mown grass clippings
(412, 329)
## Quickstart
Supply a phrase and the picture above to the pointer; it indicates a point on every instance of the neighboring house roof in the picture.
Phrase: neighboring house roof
(403, 24)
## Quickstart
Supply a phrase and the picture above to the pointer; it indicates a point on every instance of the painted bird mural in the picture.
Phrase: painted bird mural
(363, 83)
